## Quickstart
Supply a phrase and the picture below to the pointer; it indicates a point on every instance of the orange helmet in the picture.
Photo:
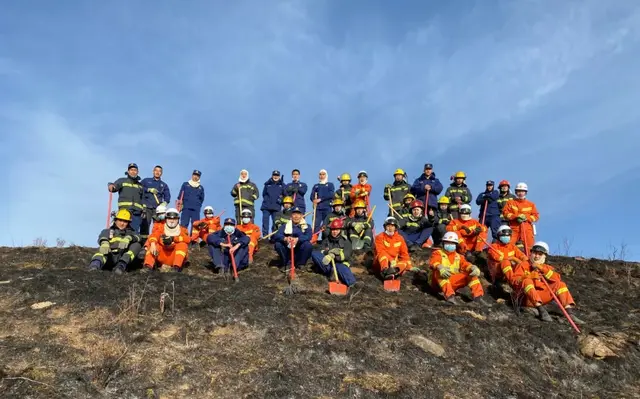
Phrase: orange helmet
(504, 183)
(416, 204)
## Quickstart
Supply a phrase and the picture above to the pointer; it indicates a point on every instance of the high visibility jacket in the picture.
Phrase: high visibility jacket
(341, 243)
(297, 190)
(115, 236)
(247, 192)
(130, 192)
(469, 241)
(361, 192)
(360, 221)
(325, 193)
(451, 260)
(405, 212)
(443, 217)
(502, 201)
(526, 270)
(490, 199)
(461, 191)
(398, 190)
(252, 231)
(163, 194)
(420, 192)
(344, 193)
(499, 253)
(272, 195)
(213, 225)
(157, 235)
(390, 248)
(192, 197)
(517, 207)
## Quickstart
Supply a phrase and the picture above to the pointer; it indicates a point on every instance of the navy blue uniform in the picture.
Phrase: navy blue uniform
(192, 200)
(272, 195)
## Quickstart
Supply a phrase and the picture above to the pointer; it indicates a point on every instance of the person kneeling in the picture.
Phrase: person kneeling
(168, 246)
(450, 271)
(228, 242)
(119, 244)
(297, 234)
(336, 250)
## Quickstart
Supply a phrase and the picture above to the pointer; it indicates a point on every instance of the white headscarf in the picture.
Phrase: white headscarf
(326, 178)
(240, 179)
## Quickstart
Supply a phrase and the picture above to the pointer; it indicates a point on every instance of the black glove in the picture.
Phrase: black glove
(478, 229)
(203, 244)
(166, 240)
(446, 222)
(467, 229)
(201, 225)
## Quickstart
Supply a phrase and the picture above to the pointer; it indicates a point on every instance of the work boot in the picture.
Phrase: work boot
(574, 317)
(165, 268)
(95, 265)
(480, 301)
(146, 269)
(202, 244)
(413, 248)
(451, 300)
(544, 315)
(120, 268)
(176, 269)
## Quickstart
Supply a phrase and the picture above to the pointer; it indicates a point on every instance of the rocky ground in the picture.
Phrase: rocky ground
(65, 332)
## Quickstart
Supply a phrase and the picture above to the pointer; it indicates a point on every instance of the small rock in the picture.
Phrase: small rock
(592, 346)
(427, 345)
(475, 315)
(42, 305)
(5, 282)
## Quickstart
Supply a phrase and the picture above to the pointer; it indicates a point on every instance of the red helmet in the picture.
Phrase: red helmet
(416, 204)
(504, 183)
(336, 223)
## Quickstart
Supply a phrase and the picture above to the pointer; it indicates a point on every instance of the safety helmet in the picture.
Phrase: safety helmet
(408, 196)
(123, 214)
(359, 204)
(444, 200)
(208, 209)
(345, 177)
(362, 173)
(337, 201)
(398, 172)
(540, 246)
(416, 204)
(459, 175)
(390, 220)
(162, 209)
(450, 236)
(247, 212)
(465, 209)
(336, 223)
(522, 187)
(504, 230)
(172, 213)
(504, 183)
(287, 200)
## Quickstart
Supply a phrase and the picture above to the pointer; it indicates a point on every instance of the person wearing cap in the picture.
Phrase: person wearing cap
(520, 213)
(527, 280)
(471, 233)
(168, 248)
(505, 195)
(272, 195)
(322, 194)
(427, 182)
(344, 192)
(297, 234)
(190, 200)
(203, 227)
(442, 220)
(336, 250)
(244, 193)
(284, 215)
(458, 193)
(391, 258)
(228, 242)
(119, 245)
(394, 193)
(296, 190)
(130, 193)
(503, 256)
(251, 230)
(417, 228)
(489, 200)
(360, 227)
(361, 191)
(449, 272)
(156, 193)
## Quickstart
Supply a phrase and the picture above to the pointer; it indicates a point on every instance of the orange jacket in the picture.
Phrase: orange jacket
(516, 207)
(364, 192)
(213, 225)
(453, 260)
(156, 237)
(252, 230)
(500, 255)
(390, 248)
(469, 241)
(525, 270)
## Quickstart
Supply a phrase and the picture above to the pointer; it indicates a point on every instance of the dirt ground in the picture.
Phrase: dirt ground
(65, 332)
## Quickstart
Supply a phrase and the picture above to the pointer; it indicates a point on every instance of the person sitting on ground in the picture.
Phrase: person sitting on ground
(450, 272)
(251, 230)
(360, 227)
(228, 242)
(169, 247)
(119, 245)
(503, 255)
(442, 220)
(416, 229)
(391, 258)
(336, 251)
(471, 232)
(297, 234)
(203, 227)
(284, 215)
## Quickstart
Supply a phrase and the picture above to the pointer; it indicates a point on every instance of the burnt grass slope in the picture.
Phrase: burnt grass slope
(105, 336)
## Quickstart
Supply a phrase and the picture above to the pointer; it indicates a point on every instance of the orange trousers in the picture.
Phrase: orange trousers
(402, 266)
(173, 256)
(523, 232)
(536, 292)
(253, 248)
(501, 271)
(449, 286)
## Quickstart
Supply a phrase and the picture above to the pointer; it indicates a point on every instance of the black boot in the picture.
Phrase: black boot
(120, 268)
(543, 314)
(573, 315)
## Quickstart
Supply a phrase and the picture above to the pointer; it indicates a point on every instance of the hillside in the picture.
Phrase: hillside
(104, 335)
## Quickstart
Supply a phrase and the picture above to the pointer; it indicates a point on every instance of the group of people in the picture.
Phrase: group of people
(341, 226)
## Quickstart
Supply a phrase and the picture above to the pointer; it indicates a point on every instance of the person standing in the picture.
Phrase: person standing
(156, 192)
(272, 195)
(130, 193)
(296, 190)
(321, 195)
(244, 193)
(190, 199)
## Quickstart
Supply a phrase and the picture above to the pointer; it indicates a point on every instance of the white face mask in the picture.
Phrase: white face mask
(389, 233)
(246, 220)
(172, 223)
(208, 215)
(465, 216)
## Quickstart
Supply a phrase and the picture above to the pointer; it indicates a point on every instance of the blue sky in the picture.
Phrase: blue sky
(545, 92)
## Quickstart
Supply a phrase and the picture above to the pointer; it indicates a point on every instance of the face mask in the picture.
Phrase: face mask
(246, 220)
(229, 229)
(160, 216)
(389, 233)
(208, 215)
(505, 239)
(172, 223)
(450, 247)
(465, 216)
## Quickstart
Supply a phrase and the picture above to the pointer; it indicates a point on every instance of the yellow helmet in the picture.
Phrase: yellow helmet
(359, 204)
(287, 200)
(409, 196)
(123, 214)
(444, 200)
(345, 176)
(398, 172)
(337, 201)
(459, 175)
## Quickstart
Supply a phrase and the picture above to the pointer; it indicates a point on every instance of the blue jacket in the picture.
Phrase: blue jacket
(220, 237)
(492, 203)
(419, 192)
(325, 194)
(272, 195)
(303, 236)
(298, 190)
(193, 196)
(163, 194)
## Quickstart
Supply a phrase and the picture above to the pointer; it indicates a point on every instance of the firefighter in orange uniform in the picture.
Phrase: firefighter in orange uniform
(251, 230)
(520, 213)
(528, 280)
(168, 247)
(470, 231)
(450, 271)
(203, 227)
(391, 253)
(503, 255)
(360, 191)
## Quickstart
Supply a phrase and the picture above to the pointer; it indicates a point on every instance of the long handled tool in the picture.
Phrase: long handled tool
(240, 201)
(109, 210)
(369, 220)
(484, 212)
(394, 212)
(392, 285)
(233, 260)
(179, 202)
(156, 198)
(336, 287)
(313, 221)
(291, 288)
(426, 202)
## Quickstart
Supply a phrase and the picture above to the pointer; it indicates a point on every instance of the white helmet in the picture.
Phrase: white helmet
(465, 206)
(172, 213)
(247, 211)
(161, 209)
(541, 246)
(522, 186)
(504, 228)
(208, 209)
(450, 236)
